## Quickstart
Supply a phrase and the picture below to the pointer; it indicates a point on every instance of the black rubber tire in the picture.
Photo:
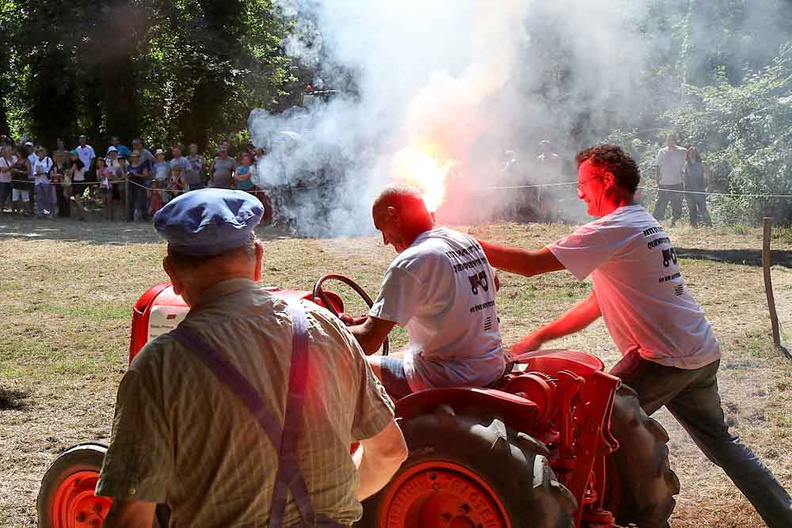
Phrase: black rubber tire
(647, 483)
(512, 464)
(81, 457)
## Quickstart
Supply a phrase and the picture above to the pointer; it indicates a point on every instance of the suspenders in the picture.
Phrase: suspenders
(284, 438)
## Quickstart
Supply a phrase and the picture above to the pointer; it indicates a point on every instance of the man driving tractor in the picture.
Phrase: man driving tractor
(671, 354)
(441, 288)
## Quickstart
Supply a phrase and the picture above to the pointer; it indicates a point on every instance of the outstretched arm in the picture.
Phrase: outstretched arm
(576, 319)
(521, 261)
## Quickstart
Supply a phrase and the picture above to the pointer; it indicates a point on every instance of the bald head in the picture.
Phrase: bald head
(402, 197)
(400, 213)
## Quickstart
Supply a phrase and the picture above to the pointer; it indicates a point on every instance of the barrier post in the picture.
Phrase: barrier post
(767, 225)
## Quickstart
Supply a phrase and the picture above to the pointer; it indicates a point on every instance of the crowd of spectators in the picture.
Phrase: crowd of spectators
(129, 183)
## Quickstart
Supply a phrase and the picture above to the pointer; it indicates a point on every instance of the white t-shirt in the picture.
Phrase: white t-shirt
(86, 154)
(441, 289)
(640, 289)
(33, 159)
(671, 164)
(41, 169)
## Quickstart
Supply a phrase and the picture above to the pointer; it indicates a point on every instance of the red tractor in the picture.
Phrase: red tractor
(555, 443)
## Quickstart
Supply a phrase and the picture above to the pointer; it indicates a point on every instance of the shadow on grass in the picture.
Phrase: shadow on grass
(747, 257)
(97, 231)
(14, 400)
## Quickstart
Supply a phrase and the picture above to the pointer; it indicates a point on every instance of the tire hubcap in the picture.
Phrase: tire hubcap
(437, 494)
(76, 506)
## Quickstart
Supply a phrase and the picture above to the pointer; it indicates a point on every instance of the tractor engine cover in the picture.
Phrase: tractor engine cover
(160, 310)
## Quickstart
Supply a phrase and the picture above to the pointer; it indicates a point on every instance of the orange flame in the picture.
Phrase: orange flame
(419, 168)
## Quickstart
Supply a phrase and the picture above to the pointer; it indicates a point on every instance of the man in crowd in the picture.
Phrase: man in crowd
(61, 149)
(145, 155)
(441, 288)
(669, 166)
(221, 170)
(185, 434)
(181, 163)
(671, 354)
(85, 152)
(123, 151)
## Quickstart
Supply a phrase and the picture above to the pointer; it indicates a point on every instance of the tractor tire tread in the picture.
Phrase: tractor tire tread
(497, 454)
(648, 484)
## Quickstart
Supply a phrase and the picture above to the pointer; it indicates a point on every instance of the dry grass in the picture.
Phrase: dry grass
(66, 289)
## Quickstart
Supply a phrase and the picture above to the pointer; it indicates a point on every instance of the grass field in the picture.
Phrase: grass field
(66, 290)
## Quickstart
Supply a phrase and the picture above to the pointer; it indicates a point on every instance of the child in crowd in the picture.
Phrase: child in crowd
(177, 182)
(58, 179)
(45, 201)
(105, 176)
(156, 202)
(76, 179)
(242, 181)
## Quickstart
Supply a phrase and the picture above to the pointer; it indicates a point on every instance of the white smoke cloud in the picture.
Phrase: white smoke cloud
(423, 73)
(464, 80)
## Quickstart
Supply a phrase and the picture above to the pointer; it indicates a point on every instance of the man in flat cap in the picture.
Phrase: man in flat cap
(244, 414)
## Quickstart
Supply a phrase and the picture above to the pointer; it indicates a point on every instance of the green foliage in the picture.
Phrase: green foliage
(163, 70)
(745, 134)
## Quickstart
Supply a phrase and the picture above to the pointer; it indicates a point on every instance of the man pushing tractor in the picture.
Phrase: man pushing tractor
(670, 352)
(243, 413)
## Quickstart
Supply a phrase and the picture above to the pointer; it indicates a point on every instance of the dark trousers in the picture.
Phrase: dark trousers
(697, 203)
(137, 200)
(665, 194)
(692, 398)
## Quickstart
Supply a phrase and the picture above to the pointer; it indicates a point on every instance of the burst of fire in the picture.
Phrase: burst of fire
(422, 168)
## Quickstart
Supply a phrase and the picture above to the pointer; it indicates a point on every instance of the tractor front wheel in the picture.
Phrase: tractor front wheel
(66, 498)
(469, 472)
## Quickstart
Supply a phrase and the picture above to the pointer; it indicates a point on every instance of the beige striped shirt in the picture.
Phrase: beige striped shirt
(181, 437)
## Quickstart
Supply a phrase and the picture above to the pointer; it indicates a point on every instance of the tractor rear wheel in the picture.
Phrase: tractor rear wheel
(643, 483)
(466, 472)
(66, 498)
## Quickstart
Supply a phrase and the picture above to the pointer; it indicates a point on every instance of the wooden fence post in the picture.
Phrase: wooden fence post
(767, 224)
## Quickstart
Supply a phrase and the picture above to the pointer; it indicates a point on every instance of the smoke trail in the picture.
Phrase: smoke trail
(466, 80)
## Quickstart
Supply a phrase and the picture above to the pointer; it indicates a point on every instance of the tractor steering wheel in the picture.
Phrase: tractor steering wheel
(318, 293)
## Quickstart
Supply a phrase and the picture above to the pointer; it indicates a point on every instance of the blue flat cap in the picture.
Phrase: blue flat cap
(208, 221)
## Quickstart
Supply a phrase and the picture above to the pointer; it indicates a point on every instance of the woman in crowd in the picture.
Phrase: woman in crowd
(21, 185)
(45, 200)
(7, 160)
(697, 179)
(58, 179)
(77, 182)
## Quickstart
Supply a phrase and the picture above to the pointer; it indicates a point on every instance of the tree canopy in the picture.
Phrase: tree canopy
(186, 70)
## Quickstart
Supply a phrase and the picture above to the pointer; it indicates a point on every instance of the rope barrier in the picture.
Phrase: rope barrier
(488, 188)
